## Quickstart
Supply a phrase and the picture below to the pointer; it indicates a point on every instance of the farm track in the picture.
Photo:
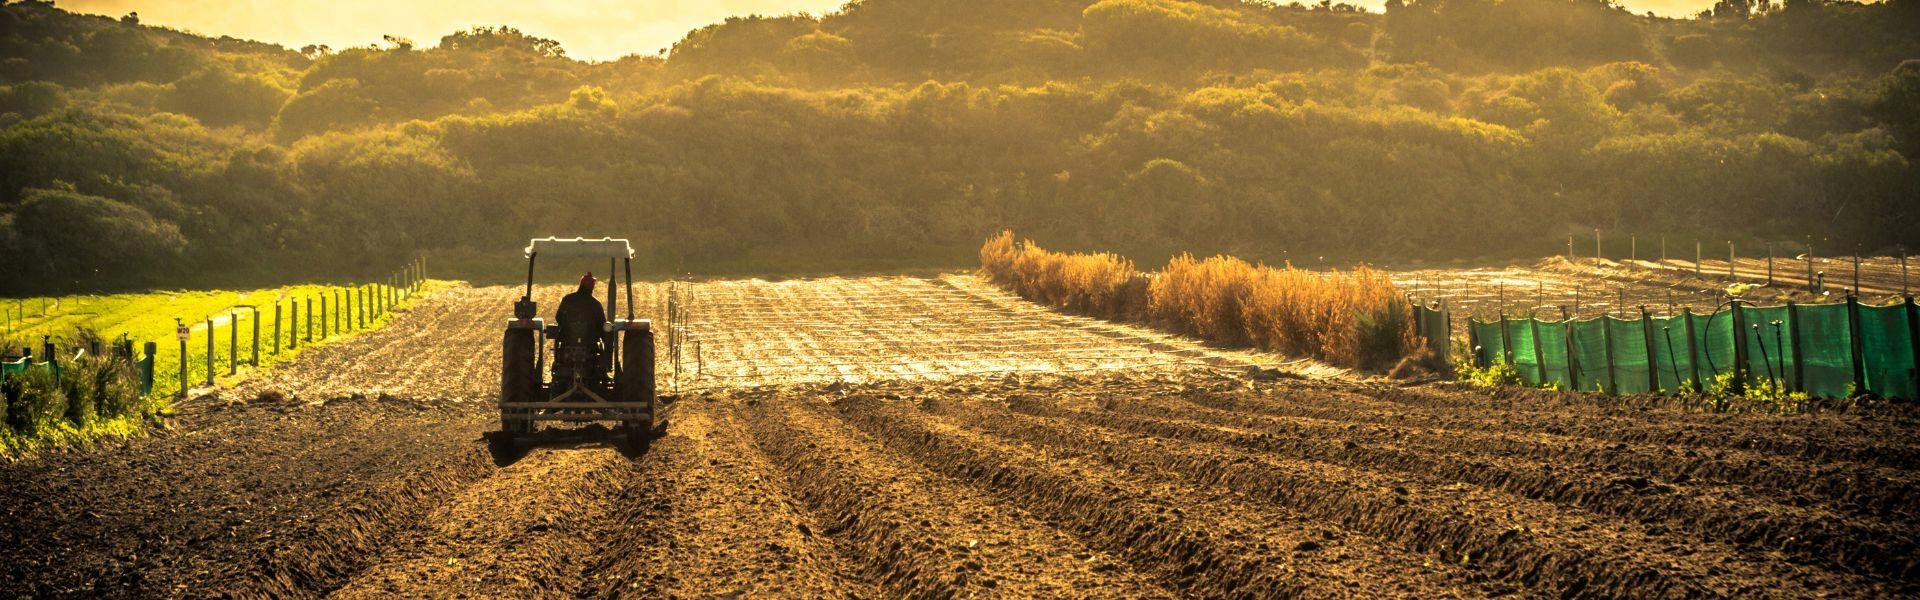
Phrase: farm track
(893, 437)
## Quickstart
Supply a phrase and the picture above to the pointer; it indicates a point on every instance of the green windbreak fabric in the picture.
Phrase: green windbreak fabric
(1590, 355)
(1669, 357)
(1553, 348)
(1886, 351)
(1520, 341)
(1826, 350)
(1713, 345)
(1768, 356)
(1433, 328)
(1629, 355)
(1492, 351)
(9, 368)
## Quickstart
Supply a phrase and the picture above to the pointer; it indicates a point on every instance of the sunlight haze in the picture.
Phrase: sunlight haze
(588, 29)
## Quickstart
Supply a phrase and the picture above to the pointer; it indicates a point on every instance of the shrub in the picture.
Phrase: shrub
(1356, 319)
(1102, 284)
(37, 404)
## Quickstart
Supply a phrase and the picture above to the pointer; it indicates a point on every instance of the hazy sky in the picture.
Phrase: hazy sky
(589, 29)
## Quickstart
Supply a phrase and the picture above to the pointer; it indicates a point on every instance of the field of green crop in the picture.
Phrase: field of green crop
(153, 316)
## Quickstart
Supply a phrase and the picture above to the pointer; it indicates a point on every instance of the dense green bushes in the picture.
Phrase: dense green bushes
(896, 131)
(81, 398)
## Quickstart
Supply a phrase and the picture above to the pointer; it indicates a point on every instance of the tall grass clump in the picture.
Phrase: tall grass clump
(1101, 284)
(1355, 319)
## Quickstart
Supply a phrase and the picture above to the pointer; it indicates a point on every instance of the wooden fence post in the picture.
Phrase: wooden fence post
(309, 337)
(1539, 355)
(1739, 351)
(1573, 353)
(1606, 340)
(256, 337)
(1793, 347)
(1473, 345)
(183, 358)
(1858, 362)
(233, 343)
(1653, 367)
(210, 351)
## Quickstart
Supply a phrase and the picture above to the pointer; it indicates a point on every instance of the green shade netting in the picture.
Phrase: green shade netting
(1553, 349)
(1491, 351)
(1433, 328)
(1769, 358)
(1713, 346)
(1826, 350)
(1886, 351)
(1590, 355)
(1630, 363)
(1669, 357)
(1520, 340)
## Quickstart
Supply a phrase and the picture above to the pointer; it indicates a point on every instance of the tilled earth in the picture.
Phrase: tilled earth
(915, 437)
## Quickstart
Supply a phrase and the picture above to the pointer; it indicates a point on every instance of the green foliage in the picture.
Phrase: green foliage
(1494, 376)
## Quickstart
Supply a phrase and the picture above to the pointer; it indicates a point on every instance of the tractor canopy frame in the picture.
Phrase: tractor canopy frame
(617, 251)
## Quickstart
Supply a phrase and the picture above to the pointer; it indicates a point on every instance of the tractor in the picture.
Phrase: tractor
(602, 371)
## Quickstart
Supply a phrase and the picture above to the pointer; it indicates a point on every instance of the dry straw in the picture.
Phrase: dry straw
(1353, 319)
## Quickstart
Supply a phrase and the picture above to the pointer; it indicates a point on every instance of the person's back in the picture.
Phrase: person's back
(582, 323)
(581, 317)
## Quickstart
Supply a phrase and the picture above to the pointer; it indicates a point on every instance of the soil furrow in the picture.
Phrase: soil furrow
(1528, 543)
(703, 514)
(920, 533)
(1202, 544)
(1757, 524)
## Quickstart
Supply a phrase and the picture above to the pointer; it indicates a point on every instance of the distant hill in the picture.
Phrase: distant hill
(900, 132)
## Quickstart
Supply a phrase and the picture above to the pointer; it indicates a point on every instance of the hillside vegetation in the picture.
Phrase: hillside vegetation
(900, 131)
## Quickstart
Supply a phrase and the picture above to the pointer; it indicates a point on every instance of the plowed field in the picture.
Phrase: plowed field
(890, 437)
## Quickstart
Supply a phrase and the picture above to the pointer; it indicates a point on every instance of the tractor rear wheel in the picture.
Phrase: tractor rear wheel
(636, 384)
(517, 380)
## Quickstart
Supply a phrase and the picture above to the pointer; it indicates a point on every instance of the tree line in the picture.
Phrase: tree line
(898, 132)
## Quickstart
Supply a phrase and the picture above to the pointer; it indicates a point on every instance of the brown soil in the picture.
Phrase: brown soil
(922, 437)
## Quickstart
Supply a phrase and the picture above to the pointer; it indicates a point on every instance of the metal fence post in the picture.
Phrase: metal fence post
(1769, 263)
(1653, 369)
(1596, 245)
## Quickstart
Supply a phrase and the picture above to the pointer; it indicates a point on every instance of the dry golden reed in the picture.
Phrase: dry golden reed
(1353, 319)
